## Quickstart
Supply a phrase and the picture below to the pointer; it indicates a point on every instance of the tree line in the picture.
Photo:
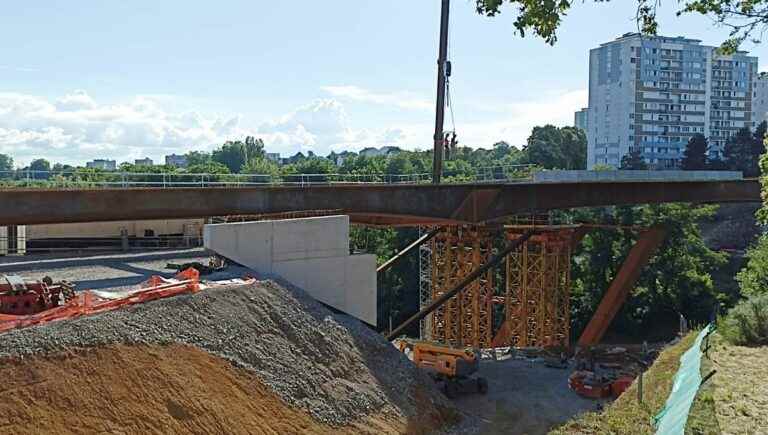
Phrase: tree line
(742, 152)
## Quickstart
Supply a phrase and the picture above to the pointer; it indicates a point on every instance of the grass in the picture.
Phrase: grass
(626, 415)
(740, 387)
(733, 401)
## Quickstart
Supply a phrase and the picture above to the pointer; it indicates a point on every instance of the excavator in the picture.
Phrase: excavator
(450, 366)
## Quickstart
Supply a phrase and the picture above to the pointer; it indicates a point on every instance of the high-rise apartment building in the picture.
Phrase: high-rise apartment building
(760, 98)
(581, 119)
(652, 93)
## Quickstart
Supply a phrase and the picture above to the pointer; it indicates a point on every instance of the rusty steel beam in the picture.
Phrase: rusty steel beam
(375, 204)
(416, 243)
(437, 303)
(647, 243)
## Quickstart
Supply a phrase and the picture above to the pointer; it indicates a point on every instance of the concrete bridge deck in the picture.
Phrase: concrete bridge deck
(368, 204)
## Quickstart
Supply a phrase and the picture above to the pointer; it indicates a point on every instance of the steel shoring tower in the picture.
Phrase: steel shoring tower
(534, 297)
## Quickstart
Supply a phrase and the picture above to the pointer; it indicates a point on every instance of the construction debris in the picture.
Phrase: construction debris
(607, 371)
(331, 366)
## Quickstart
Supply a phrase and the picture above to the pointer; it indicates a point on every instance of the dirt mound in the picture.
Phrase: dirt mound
(149, 390)
(330, 366)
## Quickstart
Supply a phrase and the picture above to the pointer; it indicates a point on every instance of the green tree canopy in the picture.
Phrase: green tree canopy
(234, 155)
(6, 162)
(745, 19)
(738, 153)
(556, 148)
(634, 160)
(695, 156)
(198, 158)
(676, 280)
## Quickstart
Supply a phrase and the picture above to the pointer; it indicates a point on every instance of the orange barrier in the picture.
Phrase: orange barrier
(86, 303)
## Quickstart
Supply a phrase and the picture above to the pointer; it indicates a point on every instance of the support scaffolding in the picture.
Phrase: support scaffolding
(527, 305)
(466, 319)
(537, 294)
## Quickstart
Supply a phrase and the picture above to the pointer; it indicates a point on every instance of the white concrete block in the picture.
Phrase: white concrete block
(248, 243)
(311, 253)
(360, 294)
(326, 236)
(323, 278)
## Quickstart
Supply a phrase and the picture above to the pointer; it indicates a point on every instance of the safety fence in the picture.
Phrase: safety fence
(87, 303)
(674, 416)
(115, 179)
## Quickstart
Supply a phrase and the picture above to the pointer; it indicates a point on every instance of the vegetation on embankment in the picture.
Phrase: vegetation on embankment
(626, 415)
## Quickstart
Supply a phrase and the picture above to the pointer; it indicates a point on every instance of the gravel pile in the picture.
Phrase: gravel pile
(328, 364)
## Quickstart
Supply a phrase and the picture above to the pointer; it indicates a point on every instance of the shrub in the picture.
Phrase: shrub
(753, 278)
(747, 323)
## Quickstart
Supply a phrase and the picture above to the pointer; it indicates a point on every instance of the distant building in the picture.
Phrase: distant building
(581, 119)
(760, 99)
(652, 93)
(275, 157)
(176, 160)
(104, 165)
(143, 162)
(383, 151)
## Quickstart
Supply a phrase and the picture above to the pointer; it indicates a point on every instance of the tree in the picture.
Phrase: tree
(6, 162)
(42, 166)
(633, 160)
(198, 158)
(738, 153)
(753, 278)
(208, 168)
(676, 280)
(556, 148)
(758, 145)
(744, 18)
(695, 156)
(234, 155)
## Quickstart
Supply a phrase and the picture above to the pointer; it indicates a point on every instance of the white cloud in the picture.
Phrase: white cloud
(75, 128)
(403, 100)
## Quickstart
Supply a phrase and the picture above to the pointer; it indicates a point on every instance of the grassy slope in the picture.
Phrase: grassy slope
(734, 401)
(626, 415)
(740, 387)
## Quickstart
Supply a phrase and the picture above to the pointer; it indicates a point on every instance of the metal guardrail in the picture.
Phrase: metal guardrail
(53, 179)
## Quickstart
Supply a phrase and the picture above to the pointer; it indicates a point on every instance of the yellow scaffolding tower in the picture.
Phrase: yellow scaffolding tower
(534, 297)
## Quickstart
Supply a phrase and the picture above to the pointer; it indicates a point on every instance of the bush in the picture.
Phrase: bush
(747, 323)
(753, 278)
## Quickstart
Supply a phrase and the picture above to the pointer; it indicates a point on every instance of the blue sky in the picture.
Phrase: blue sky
(128, 79)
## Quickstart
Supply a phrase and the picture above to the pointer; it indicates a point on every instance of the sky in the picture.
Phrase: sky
(130, 79)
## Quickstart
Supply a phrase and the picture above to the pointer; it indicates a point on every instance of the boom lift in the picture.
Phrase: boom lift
(452, 367)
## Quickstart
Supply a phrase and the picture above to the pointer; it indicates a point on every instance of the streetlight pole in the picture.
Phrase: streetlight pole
(437, 156)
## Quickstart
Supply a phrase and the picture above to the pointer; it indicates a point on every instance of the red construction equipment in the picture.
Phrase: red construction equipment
(21, 297)
(52, 302)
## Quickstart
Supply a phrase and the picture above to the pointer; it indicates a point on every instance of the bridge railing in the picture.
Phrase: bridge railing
(116, 179)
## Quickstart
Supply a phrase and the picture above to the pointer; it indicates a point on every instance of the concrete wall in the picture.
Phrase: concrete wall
(310, 253)
(112, 229)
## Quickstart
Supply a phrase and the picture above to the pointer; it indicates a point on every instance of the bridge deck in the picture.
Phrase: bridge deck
(370, 204)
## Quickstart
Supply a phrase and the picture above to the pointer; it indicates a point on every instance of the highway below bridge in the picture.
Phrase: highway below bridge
(372, 204)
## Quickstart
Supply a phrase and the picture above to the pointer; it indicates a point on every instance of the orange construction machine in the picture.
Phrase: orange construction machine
(452, 367)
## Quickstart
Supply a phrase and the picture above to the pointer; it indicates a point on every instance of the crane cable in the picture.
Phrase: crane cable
(448, 97)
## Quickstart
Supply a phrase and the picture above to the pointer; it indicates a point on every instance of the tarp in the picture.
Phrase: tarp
(673, 417)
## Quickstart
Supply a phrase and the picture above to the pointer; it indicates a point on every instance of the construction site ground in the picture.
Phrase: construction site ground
(524, 397)
(115, 272)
